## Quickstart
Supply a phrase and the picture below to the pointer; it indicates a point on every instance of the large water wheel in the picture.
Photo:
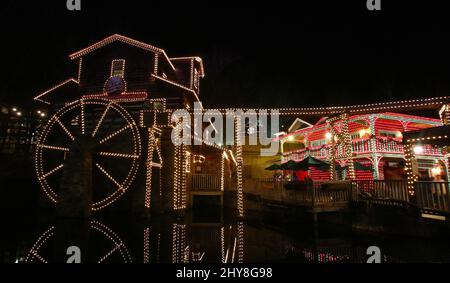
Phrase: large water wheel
(90, 149)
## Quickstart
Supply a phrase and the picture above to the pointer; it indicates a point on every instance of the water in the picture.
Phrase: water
(202, 236)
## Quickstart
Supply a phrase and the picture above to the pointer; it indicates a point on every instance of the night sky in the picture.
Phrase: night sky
(256, 55)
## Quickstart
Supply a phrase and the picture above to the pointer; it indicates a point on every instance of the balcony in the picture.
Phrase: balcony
(361, 147)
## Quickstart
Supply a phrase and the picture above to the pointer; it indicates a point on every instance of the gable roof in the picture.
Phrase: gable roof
(302, 122)
(121, 38)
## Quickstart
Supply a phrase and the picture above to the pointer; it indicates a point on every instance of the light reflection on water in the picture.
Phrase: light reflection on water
(187, 240)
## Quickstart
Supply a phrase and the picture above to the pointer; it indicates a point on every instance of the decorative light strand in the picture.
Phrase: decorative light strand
(111, 178)
(147, 245)
(114, 134)
(240, 241)
(239, 162)
(127, 40)
(100, 121)
(38, 98)
(56, 169)
(64, 128)
(121, 155)
(222, 171)
(82, 116)
(53, 147)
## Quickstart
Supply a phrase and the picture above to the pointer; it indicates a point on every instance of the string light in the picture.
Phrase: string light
(115, 134)
(353, 109)
(124, 39)
(64, 128)
(195, 58)
(39, 97)
(239, 162)
(119, 186)
(80, 66)
(146, 245)
(240, 241)
(57, 168)
(121, 155)
(82, 116)
(152, 145)
(178, 243)
(178, 85)
(33, 253)
(176, 169)
(53, 147)
(222, 243)
(125, 97)
(222, 172)
(100, 121)
(155, 66)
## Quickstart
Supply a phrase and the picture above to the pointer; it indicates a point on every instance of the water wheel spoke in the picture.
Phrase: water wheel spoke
(68, 133)
(120, 155)
(51, 147)
(100, 121)
(109, 254)
(111, 178)
(54, 170)
(40, 258)
(114, 134)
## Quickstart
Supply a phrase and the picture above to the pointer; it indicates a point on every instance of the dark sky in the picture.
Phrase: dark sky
(255, 54)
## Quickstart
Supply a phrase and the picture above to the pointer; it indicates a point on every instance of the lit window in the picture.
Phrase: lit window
(390, 134)
(118, 68)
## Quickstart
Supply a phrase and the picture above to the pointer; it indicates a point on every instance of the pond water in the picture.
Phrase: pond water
(201, 236)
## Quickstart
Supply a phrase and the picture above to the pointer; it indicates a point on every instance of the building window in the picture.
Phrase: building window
(389, 134)
(318, 143)
(118, 68)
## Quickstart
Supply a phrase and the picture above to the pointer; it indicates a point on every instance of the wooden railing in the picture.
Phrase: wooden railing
(300, 193)
(433, 196)
(360, 146)
(392, 189)
(205, 182)
(430, 196)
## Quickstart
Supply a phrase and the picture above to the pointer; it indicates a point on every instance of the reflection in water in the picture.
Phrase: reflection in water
(58, 238)
(168, 240)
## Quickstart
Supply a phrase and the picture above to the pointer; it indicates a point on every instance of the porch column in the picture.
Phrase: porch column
(332, 153)
(409, 168)
(373, 146)
(348, 146)
(444, 113)
(447, 164)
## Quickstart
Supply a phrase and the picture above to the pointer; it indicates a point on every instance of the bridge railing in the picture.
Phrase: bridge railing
(434, 196)
(205, 182)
